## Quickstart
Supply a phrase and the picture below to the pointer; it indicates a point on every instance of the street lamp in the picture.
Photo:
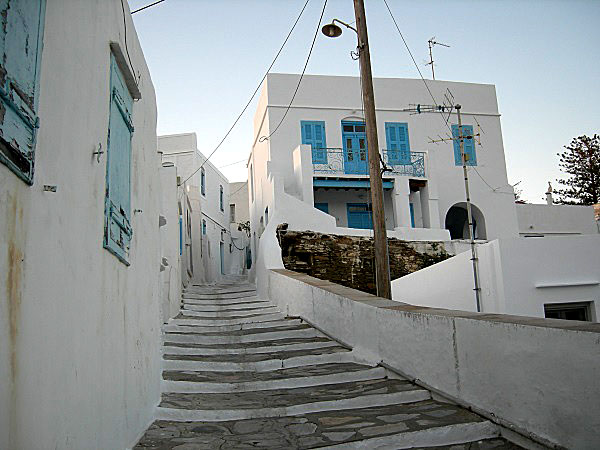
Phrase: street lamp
(382, 264)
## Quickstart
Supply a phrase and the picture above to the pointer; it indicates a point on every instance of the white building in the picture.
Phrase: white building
(79, 225)
(239, 217)
(208, 252)
(310, 171)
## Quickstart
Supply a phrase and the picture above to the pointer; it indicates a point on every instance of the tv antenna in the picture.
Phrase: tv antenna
(432, 42)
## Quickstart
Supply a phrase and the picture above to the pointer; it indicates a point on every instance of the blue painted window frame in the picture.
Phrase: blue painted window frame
(468, 145)
(397, 143)
(412, 214)
(180, 235)
(313, 134)
(204, 226)
(221, 204)
(117, 198)
(202, 181)
(322, 207)
(21, 38)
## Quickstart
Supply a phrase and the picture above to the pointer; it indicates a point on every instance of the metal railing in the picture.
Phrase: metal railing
(334, 161)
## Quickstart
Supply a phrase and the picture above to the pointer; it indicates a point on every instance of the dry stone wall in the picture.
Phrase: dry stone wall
(349, 260)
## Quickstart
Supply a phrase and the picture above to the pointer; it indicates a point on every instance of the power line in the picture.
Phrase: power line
(253, 94)
(147, 6)
(264, 138)
(233, 163)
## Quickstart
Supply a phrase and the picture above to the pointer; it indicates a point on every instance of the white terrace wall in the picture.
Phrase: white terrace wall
(79, 330)
(555, 220)
(518, 276)
(520, 372)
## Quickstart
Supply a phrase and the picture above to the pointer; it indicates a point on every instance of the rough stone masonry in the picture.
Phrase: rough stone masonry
(348, 260)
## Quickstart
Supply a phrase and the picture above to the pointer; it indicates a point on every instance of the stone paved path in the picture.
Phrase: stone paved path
(239, 375)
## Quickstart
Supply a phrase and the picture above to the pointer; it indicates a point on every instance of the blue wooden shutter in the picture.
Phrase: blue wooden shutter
(322, 207)
(221, 198)
(313, 134)
(117, 211)
(202, 181)
(398, 146)
(21, 33)
(468, 145)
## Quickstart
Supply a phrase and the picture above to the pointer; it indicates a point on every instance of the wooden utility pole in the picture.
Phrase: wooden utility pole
(469, 211)
(382, 264)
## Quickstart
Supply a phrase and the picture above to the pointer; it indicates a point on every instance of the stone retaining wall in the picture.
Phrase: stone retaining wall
(348, 260)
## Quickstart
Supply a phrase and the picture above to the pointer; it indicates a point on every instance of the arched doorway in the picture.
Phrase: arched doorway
(458, 225)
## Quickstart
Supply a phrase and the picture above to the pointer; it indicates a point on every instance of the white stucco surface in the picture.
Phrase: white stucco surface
(79, 330)
(518, 276)
(556, 220)
(522, 370)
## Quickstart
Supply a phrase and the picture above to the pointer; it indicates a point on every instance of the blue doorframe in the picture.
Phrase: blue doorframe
(222, 252)
(359, 215)
(354, 140)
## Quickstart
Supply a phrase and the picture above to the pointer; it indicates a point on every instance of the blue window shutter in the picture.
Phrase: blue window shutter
(221, 198)
(468, 145)
(117, 209)
(412, 215)
(21, 37)
(202, 181)
(180, 235)
(313, 134)
(203, 226)
(398, 146)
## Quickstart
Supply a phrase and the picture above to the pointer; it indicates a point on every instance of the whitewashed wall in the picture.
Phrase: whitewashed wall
(79, 330)
(556, 220)
(182, 150)
(518, 276)
(521, 372)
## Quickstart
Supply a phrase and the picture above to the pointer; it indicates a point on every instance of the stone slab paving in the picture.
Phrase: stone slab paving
(280, 416)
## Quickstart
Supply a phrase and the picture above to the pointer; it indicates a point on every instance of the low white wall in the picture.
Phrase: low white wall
(556, 219)
(518, 276)
(524, 371)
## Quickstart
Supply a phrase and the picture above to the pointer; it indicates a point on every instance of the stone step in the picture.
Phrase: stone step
(232, 338)
(280, 374)
(230, 301)
(192, 323)
(217, 307)
(283, 383)
(211, 331)
(252, 318)
(260, 366)
(218, 295)
(170, 350)
(256, 357)
(229, 314)
(248, 345)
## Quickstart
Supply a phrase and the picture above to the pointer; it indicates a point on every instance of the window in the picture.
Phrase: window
(21, 36)
(202, 181)
(322, 207)
(568, 311)
(398, 146)
(117, 208)
(468, 145)
(313, 134)
(221, 198)
(251, 183)
(232, 212)
(203, 226)
(266, 216)
(360, 215)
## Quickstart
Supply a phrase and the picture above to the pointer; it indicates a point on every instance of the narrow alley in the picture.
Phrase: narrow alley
(237, 373)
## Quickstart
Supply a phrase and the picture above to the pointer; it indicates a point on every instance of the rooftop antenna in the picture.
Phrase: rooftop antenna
(432, 42)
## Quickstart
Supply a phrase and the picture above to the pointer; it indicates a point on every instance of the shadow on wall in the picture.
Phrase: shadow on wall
(348, 260)
(458, 225)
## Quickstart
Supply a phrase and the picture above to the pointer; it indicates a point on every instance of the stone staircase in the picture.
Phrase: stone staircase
(238, 374)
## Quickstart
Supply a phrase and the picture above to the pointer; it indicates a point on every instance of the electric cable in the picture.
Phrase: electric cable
(147, 6)
(253, 94)
(264, 138)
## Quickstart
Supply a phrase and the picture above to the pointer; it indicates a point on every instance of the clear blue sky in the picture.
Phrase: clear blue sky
(206, 57)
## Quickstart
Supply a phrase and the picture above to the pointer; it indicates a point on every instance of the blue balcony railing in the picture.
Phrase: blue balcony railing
(335, 161)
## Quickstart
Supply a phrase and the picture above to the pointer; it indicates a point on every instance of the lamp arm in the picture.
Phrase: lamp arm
(345, 24)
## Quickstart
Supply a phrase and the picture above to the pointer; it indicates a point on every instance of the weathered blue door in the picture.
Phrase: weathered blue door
(117, 208)
(359, 215)
(222, 252)
(355, 148)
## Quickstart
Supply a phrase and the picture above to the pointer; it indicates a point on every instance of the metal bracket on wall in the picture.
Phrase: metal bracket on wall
(98, 152)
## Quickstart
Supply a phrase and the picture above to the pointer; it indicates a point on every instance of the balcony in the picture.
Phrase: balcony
(337, 162)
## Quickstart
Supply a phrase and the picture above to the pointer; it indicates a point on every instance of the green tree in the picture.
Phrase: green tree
(581, 162)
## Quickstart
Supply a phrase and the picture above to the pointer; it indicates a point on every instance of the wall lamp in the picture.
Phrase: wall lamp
(332, 30)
